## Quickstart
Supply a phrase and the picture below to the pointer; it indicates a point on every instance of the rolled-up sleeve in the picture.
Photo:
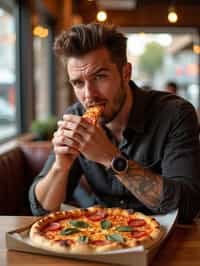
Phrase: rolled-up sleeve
(74, 176)
(35, 206)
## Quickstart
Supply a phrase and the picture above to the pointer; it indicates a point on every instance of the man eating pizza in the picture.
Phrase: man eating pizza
(137, 149)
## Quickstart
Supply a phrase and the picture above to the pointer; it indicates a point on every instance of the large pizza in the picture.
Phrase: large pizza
(95, 230)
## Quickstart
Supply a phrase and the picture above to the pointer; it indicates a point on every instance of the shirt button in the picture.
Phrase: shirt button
(121, 202)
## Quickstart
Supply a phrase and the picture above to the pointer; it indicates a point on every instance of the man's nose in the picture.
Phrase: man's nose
(89, 90)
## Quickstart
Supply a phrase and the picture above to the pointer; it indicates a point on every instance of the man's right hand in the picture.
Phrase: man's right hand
(64, 154)
(51, 190)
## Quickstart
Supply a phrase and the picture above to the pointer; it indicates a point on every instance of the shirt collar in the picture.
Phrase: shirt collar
(139, 112)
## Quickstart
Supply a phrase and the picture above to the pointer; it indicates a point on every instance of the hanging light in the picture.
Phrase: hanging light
(101, 16)
(172, 15)
(196, 48)
(40, 31)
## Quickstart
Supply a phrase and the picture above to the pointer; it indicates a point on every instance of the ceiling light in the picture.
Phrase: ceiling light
(196, 49)
(40, 31)
(101, 16)
(172, 15)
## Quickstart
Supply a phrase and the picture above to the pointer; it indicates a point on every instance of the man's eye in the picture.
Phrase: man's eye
(77, 83)
(100, 76)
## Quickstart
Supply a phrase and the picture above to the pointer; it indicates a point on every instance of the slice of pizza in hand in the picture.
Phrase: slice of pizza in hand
(93, 113)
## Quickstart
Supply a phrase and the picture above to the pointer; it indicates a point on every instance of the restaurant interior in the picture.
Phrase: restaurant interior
(33, 89)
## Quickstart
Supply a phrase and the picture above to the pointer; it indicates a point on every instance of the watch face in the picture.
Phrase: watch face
(119, 164)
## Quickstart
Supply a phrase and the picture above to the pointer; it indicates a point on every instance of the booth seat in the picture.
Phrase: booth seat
(18, 167)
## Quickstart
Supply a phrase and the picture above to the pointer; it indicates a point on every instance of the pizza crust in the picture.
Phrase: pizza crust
(60, 244)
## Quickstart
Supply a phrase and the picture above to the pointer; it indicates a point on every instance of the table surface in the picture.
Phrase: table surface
(181, 248)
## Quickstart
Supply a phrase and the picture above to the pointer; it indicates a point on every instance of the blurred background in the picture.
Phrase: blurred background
(163, 45)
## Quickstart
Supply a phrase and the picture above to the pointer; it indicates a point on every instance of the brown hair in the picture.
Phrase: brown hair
(81, 39)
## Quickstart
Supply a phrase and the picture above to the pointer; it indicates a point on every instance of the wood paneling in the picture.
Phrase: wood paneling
(148, 14)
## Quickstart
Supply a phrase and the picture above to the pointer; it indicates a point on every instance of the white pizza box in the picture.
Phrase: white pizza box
(19, 240)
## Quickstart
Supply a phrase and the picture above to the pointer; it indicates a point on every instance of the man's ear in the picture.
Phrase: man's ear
(127, 69)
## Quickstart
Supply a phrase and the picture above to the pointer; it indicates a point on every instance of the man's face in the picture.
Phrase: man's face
(96, 79)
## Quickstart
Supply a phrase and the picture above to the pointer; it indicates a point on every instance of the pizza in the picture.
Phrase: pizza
(94, 230)
(93, 113)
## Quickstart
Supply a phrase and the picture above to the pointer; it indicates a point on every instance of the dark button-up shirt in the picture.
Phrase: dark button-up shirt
(161, 134)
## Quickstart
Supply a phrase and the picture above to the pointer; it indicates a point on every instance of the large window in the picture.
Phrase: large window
(162, 57)
(8, 126)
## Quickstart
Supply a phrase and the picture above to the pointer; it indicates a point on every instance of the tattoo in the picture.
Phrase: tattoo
(143, 183)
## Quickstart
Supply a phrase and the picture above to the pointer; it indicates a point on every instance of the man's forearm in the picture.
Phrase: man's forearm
(144, 184)
(51, 190)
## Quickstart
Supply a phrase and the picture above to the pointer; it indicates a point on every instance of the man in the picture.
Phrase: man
(171, 87)
(144, 152)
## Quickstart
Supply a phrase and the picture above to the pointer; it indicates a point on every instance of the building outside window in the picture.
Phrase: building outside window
(161, 57)
(8, 125)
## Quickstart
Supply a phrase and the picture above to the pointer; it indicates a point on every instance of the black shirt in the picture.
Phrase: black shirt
(161, 134)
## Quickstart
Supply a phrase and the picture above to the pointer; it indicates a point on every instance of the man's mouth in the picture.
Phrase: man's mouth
(91, 104)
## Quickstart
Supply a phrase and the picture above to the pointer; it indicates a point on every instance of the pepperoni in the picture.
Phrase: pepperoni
(52, 227)
(100, 242)
(138, 234)
(137, 222)
(96, 216)
(74, 216)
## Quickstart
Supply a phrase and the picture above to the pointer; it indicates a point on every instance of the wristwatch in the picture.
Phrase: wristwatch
(119, 165)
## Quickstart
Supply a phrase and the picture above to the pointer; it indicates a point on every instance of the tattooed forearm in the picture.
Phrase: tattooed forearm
(143, 183)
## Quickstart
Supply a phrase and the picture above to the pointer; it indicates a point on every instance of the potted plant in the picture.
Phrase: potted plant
(38, 148)
(43, 129)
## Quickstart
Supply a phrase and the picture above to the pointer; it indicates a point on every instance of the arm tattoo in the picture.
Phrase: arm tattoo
(143, 183)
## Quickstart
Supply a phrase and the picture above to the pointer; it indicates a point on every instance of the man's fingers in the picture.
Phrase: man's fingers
(62, 134)
(73, 135)
(65, 150)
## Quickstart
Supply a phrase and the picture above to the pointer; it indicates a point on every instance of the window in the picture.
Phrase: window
(8, 125)
(161, 57)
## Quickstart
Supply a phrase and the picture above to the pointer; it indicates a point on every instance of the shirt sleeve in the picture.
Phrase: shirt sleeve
(35, 206)
(74, 176)
(181, 165)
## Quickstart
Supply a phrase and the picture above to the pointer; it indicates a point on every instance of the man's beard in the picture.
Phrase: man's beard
(118, 101)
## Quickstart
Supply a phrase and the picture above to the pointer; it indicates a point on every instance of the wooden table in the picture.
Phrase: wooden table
(182, 248)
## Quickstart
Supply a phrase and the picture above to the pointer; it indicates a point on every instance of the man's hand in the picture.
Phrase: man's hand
(65, 154)
(75, 135)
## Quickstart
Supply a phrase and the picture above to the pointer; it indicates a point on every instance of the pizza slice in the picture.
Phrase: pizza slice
(93, 113)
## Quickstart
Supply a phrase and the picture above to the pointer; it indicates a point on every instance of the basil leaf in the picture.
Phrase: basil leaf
(83, 239)
(80, 224)
(115, 237)
(69, 231)
(105, 224)
(124, 228)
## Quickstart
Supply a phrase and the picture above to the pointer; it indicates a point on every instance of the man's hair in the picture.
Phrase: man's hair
(172, 87)
(172, 84)
(81, 39)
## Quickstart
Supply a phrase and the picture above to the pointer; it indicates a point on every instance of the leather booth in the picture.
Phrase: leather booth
(18, 167)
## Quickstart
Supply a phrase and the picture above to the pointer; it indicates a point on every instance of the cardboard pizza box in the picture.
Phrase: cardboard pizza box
(19, 240)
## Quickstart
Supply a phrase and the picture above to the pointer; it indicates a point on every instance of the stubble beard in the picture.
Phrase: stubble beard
(118, 103)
